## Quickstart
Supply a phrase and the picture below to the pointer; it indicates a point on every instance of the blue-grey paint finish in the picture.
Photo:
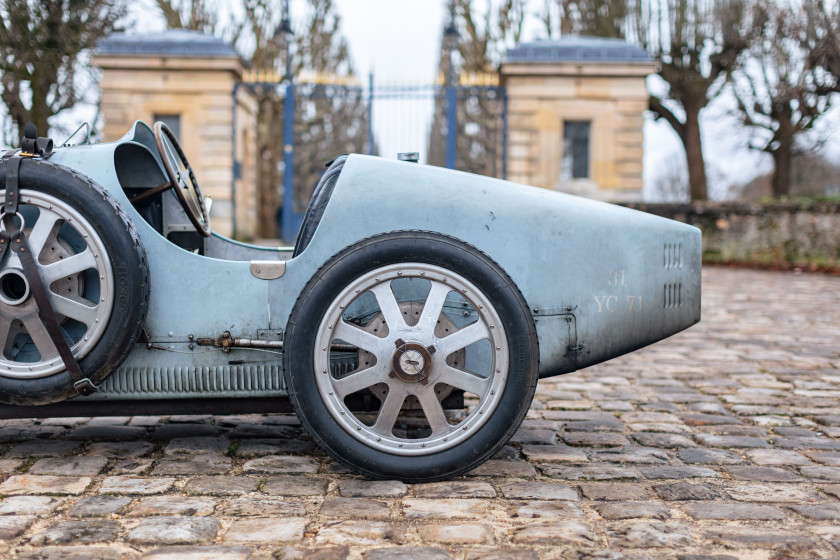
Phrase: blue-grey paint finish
(596, 276)
(562, 251)
(577, 49)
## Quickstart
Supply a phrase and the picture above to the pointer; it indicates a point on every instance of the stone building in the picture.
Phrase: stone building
(575, 115)
(187, 80)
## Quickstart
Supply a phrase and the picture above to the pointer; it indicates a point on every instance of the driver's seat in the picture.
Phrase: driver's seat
(320, 197)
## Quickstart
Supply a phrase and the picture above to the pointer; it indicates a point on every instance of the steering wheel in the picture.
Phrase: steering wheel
(182, 179)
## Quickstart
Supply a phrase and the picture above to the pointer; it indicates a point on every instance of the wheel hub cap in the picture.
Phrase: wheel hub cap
(412, 362)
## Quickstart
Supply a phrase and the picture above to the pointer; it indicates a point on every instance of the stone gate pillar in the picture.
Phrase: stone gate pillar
(575, 115)
(186, 79)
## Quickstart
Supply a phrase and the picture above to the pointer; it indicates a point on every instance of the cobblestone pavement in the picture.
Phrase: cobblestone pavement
(721, 442)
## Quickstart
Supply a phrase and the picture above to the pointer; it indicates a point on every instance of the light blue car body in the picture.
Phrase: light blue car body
(600, 280)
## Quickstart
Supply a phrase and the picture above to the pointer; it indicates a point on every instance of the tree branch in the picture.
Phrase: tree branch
(655, 104)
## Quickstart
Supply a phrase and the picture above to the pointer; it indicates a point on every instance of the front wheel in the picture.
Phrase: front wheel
(389, 335)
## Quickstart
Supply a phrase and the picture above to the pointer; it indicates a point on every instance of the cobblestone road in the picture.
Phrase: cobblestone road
(721, 442)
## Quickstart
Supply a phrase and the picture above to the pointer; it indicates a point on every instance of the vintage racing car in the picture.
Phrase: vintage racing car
(408, 326)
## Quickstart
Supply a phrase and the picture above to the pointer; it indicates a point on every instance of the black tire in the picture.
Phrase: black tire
(130, 279)
(430, 249)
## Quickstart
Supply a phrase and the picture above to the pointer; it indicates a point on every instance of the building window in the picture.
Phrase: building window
(576, 149)
(173, 122)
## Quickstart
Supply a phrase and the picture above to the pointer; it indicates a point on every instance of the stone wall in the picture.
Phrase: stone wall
(786, 234)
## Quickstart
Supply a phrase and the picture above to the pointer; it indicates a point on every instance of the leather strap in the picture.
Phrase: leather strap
(16, 239)
(12, 175)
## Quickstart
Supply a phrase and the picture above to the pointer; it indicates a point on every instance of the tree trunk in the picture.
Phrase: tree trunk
(694, 154)
(782, 157)
(268, 177)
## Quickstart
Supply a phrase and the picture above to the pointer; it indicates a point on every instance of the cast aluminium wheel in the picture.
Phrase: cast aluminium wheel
(387, 333)
(94, 268)
(76, 270)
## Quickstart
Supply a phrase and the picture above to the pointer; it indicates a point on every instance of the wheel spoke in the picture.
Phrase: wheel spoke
(433, 307)
(69, 266)
(41, 231)
(469, 382)
(388, 306)
(40, 337)
(356, 336)
(433, 411)
(74, 309)
(5, 331)
(360, 380)
(388, 412)
(464, 337)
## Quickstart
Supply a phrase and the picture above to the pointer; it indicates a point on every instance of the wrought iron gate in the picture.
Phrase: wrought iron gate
(460, 126)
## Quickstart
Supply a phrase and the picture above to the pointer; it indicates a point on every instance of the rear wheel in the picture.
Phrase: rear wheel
(93, 266)
(404, 323)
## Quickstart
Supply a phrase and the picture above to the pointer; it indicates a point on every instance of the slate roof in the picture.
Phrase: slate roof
(173, 42)
(577, 49)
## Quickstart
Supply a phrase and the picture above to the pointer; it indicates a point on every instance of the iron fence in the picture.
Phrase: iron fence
(459, 126)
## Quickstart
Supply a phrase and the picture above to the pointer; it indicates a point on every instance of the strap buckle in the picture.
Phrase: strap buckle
(85, 387)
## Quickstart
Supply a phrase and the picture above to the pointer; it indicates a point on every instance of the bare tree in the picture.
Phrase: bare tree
(597, 18)
(41, 48)
(696, 43)
(329, 119)
(189, 14)
(787, 79)
(484, 38)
